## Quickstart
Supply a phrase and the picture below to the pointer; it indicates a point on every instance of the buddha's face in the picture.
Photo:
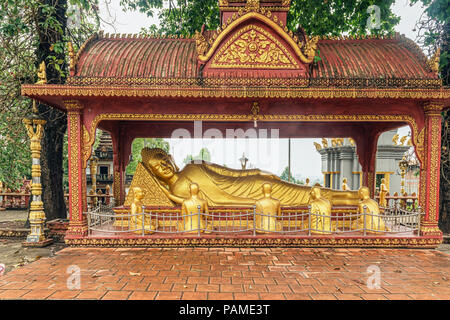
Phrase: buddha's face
(194, 189)
(267, 189)
(138, 194)
(363, 193)
(162, 168)
(315, 193)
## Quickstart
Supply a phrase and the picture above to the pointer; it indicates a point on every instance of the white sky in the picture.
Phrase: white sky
(305, 161)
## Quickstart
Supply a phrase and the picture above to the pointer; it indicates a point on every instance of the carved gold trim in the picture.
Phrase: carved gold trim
(419, 242)
(262, 41)
(241, 92)
(275, 25)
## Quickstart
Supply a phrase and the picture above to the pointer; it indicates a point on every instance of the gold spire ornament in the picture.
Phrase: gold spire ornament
(402, 140)
(42, 74)
(71, 56)
(395, 139)
(201, 43)
(433, 62)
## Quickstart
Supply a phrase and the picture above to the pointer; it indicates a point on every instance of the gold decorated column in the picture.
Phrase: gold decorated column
(432, 146)
(35, 129)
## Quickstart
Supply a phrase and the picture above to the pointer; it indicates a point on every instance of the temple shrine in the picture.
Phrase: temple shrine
(250, 72)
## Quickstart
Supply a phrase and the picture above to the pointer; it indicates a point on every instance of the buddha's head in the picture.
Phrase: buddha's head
(267, 189)
(159, 162)
(138, 193)
(193, 188)
(315, 193)
(363, 193)
(344, 180)
(383, 180)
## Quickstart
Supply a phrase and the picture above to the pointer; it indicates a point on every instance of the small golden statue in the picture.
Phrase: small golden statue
(42, 74)
(320, 213)
(325, 143)
(352, 142)
(189, 212)
(267, 210)
(402, 140)
(307, 182)
(318, 146)
(345, 185)
(373, 220)
(383, 191)
(333, 143)
(395, 139)
(136, 224)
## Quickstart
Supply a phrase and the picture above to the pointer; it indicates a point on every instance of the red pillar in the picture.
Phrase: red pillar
(431, 173)
(366, 147)
(77, 188)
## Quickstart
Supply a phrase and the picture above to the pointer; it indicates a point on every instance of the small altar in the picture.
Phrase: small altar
(250, 73)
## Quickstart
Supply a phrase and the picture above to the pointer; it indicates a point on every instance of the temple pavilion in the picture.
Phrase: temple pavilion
(251, 70)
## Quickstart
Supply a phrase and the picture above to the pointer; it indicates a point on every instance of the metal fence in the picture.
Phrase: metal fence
(249, 221)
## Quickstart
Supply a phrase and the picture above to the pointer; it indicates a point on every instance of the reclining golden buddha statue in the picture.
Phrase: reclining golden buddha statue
(219, 186)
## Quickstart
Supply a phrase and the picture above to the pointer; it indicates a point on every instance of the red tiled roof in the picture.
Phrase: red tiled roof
(138, 58)
(371, 58)
(130, 57)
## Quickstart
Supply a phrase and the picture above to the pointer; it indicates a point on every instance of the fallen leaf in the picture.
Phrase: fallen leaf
(134, 274)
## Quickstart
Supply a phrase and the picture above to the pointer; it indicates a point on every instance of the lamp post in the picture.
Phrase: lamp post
(93, 169)
(403, 165)
(35, 130)
(243, 161)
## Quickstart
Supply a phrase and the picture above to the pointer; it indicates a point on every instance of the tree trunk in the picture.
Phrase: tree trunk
(444, 214)
(55, 128)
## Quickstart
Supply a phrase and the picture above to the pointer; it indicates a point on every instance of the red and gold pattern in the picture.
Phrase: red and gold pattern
(77, 226)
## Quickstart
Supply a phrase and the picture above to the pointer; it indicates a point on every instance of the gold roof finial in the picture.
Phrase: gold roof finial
(71, 56)
(42, 74)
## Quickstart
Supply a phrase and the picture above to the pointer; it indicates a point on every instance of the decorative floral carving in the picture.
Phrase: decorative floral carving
(253, 46)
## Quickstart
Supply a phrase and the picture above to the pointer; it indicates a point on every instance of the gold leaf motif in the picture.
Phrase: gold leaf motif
(252, 47)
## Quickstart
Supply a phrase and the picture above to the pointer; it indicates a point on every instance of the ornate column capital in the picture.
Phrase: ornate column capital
(433, 108)
(73, 106)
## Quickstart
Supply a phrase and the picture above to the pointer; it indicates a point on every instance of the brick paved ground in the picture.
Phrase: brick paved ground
(227, 273)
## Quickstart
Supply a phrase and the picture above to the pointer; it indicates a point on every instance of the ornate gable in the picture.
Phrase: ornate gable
(254, 42)
(253, 47)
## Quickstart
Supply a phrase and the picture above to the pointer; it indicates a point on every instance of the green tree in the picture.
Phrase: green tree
(138, 145)
(331, 17)
(204, 155)
(285, 176)
(32, 31)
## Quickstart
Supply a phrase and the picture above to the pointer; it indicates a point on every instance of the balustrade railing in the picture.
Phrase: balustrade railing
(14, 200)
(249, 221)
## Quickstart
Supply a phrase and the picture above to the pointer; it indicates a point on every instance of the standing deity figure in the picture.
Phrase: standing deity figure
(345, 185)
(190, 207)
(373, 220)
(267, 211)
(136, 223)
(383, 191)
(320, 213)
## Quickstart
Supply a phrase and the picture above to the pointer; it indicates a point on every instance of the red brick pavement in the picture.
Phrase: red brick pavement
(233, 273)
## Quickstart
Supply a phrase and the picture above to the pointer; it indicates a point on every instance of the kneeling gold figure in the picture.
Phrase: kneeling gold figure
(136, 215)
(320, 213)
(268, 209)
(192, 221)
(373, 221)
